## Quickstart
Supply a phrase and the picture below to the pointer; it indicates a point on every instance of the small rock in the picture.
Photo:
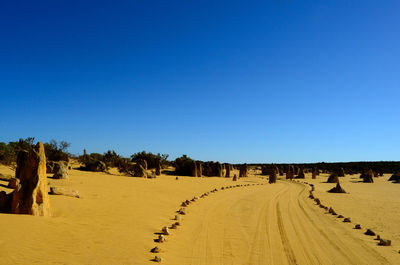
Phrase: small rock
(165, 231)
(182, 211)
(176, 178)
(64, 191)
(369, 232)
(385, 242)
(340, 216)
(155, 250)
(331, 211)
(157, 259)
(161, 239)
(174, 226)
(358, 226)
(347, 220)
(178, 217)
(177, 223)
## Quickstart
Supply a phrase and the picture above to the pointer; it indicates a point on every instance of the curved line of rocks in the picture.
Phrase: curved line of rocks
(330, 210)
(165, 231)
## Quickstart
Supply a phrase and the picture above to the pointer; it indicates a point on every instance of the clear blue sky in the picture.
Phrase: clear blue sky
(234, 81)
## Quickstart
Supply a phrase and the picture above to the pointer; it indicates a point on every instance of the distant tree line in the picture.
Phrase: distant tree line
(349, 167)
(58, 151)
(55, 151)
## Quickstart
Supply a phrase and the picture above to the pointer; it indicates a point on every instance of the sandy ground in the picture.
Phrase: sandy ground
(117, 217)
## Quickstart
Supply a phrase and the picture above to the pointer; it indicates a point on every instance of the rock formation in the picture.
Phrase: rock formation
(165, 231)
(199, 169)
(158, 169)
(155, 250)
(290, 172)
(96, 166)
(64, 191)
(331, 211)
(218, 170)
(264, 170)
(333, 178)
(337, 189)
(369, 232)
(300, 175)
(384, 242)
(315, 173)
(272, 177)
(227, 171)
(60, 170)
(49, 167)
(31, 195)
(243, 171)
(194, 169)
(367, 176)
(395, 177)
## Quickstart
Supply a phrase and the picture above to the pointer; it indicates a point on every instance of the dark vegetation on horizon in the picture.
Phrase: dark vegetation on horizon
(58, 151)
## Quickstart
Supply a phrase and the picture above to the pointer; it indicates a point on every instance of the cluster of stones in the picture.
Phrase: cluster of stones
(338, 189)
(165, 231)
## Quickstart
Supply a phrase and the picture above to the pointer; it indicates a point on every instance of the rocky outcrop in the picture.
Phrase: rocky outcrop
(96, 166)
(369, 232)
(337, 189)
(315, 173)
(60, 170)
(333, 178)
(199, 169)
(194, 169)
(227, 171)
(49, 167)
(243, 171)
(384, 242)
(158, 169)
(272, 177)
(235, 178)
(395, 177)
(290, 172)
(31, 195)
(368, 176)
(300, 175)
(218, 169)
(64, 191)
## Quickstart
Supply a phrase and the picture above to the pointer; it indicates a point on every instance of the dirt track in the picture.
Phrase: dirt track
(269, 224)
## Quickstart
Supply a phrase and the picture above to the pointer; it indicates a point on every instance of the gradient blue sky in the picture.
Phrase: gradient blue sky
(234, 81)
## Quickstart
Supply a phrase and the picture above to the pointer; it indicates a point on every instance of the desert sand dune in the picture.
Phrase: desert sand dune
(117, 219)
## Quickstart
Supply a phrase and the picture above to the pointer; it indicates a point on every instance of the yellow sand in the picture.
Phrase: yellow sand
(116, 218)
